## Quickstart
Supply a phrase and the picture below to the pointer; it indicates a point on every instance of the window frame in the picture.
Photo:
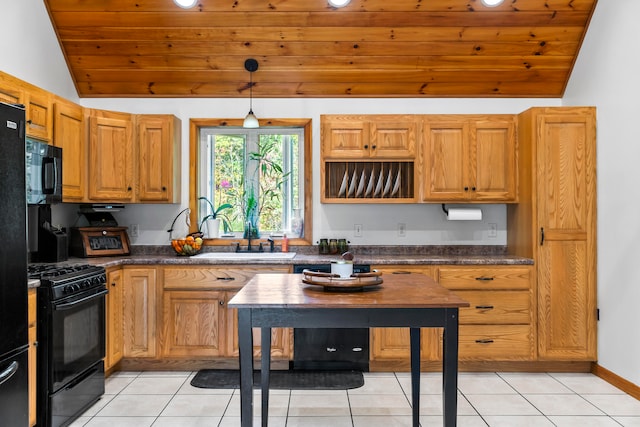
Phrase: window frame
(195, 126)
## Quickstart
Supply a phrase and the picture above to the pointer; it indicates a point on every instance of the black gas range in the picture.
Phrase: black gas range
(71, 340)
(63, 281)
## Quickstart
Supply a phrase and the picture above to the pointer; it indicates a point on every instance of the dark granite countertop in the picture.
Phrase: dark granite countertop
(375, 255)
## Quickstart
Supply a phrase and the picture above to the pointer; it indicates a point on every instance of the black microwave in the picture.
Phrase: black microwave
(44, 173)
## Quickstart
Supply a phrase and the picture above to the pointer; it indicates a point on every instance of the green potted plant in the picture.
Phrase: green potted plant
(212, 220)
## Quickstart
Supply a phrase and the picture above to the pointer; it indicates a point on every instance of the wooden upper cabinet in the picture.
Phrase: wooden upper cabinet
(39, 109)
(111, 157)
(469, 159)
(158, 158)
(10, 94)
(371, 136)
(69, 133)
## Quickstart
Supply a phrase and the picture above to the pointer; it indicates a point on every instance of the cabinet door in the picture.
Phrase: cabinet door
(139, 312)
(393, 137)
(345, 137)
(33, 349)
(111, 158)
(392, 344)
(69, 134)
(10, 94)
(446, 160)
(280, 337)
(39, 114)
(115, 317)
(158, 144)
(493, 160)
(567, 252)
(193, 323)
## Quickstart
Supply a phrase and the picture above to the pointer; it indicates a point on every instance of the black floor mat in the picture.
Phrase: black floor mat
(288, 380)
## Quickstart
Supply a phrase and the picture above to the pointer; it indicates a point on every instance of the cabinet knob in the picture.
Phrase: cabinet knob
(473, 188)
(366, 146)
(128, 188)
(466, 188)
(221, 302)
(164, 188)
(113, 284)
(373, 147)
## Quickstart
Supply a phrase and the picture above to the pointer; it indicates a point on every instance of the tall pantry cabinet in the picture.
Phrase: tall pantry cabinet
(555, 224)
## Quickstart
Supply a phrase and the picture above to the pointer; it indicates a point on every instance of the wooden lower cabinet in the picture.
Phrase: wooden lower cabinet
(196, 322)
(140, 299)
(392, 344)
(32, 321)
(499, 325)
(114, 318)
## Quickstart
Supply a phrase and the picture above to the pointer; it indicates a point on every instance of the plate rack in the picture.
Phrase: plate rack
(369, 181)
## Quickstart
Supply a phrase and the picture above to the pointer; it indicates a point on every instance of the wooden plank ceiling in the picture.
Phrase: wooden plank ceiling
(306, 48)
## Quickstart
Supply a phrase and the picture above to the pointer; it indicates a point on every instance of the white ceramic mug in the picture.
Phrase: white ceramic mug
(342, 268)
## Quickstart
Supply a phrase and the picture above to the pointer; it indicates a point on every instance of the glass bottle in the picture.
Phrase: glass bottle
(296, 223)
(342, 246)
(333, 246)
(323, 247)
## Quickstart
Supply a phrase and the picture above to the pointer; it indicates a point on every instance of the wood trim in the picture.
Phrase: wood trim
(194, 130)
(483, 366)
(616, 380)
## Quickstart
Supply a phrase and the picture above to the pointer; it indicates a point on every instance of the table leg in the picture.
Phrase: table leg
(245, 347)
(265, 368)
(415, 374)
(450, 368)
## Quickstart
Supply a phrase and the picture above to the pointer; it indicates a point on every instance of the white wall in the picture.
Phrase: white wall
(606, 75)
(30, 50)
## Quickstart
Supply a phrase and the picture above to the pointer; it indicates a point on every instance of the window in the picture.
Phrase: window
(259, 173)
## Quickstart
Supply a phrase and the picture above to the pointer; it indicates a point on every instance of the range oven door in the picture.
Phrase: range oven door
(77, 336)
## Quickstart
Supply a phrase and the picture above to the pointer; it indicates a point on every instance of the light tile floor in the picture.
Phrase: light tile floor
(166, 399)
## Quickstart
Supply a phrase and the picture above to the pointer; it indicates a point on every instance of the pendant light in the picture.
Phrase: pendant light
(186, 4)
(491, 3)
(251, 121)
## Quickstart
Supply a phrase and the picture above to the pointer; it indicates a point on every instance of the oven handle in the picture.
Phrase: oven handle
(69, 305)
(78, 380)
(9, 372)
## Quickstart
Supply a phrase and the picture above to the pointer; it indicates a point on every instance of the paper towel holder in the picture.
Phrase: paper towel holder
(463, 214)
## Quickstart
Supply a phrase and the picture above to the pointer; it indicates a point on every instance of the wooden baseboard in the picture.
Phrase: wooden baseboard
(616, 381)
(480, 366)
(189, 365)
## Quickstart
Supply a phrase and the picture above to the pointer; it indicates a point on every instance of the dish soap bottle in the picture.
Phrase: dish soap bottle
(285, 243)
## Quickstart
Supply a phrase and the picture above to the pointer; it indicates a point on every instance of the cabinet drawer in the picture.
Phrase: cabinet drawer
(214, 277)
(496, 307)
(493, 277)
(499, 342)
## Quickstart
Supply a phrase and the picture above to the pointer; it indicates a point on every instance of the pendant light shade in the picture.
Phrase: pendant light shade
(251, 121)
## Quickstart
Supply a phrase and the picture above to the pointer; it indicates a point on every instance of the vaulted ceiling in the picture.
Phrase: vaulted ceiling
(306, 48)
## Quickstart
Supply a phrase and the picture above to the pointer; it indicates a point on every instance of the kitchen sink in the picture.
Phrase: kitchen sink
(246, 255)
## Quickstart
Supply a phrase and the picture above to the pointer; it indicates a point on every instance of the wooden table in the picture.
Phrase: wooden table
(282, 300)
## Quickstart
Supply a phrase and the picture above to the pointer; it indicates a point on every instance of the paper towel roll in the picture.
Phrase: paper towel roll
(457, 214)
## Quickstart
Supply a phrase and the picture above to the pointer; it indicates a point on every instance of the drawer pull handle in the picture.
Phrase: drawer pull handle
(401, 272)
(484, 341)
(331, 349)
(484, 307)
(484, 278)
(225, 278)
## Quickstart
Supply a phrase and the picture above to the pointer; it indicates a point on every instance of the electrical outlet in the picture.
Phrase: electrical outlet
(357, 230)
(402, 229)
(493, 230)
(134, 230)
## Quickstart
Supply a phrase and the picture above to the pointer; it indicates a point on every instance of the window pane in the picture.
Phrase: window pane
(264, 162)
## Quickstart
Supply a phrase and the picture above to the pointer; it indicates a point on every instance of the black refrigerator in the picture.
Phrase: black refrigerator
(14, 369)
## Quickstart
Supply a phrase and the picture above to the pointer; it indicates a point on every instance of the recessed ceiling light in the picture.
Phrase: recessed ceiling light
(185, 4)
(338, 3)
(491, 3)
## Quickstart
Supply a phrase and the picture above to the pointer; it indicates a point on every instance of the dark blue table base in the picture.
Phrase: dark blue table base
(414, 318)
